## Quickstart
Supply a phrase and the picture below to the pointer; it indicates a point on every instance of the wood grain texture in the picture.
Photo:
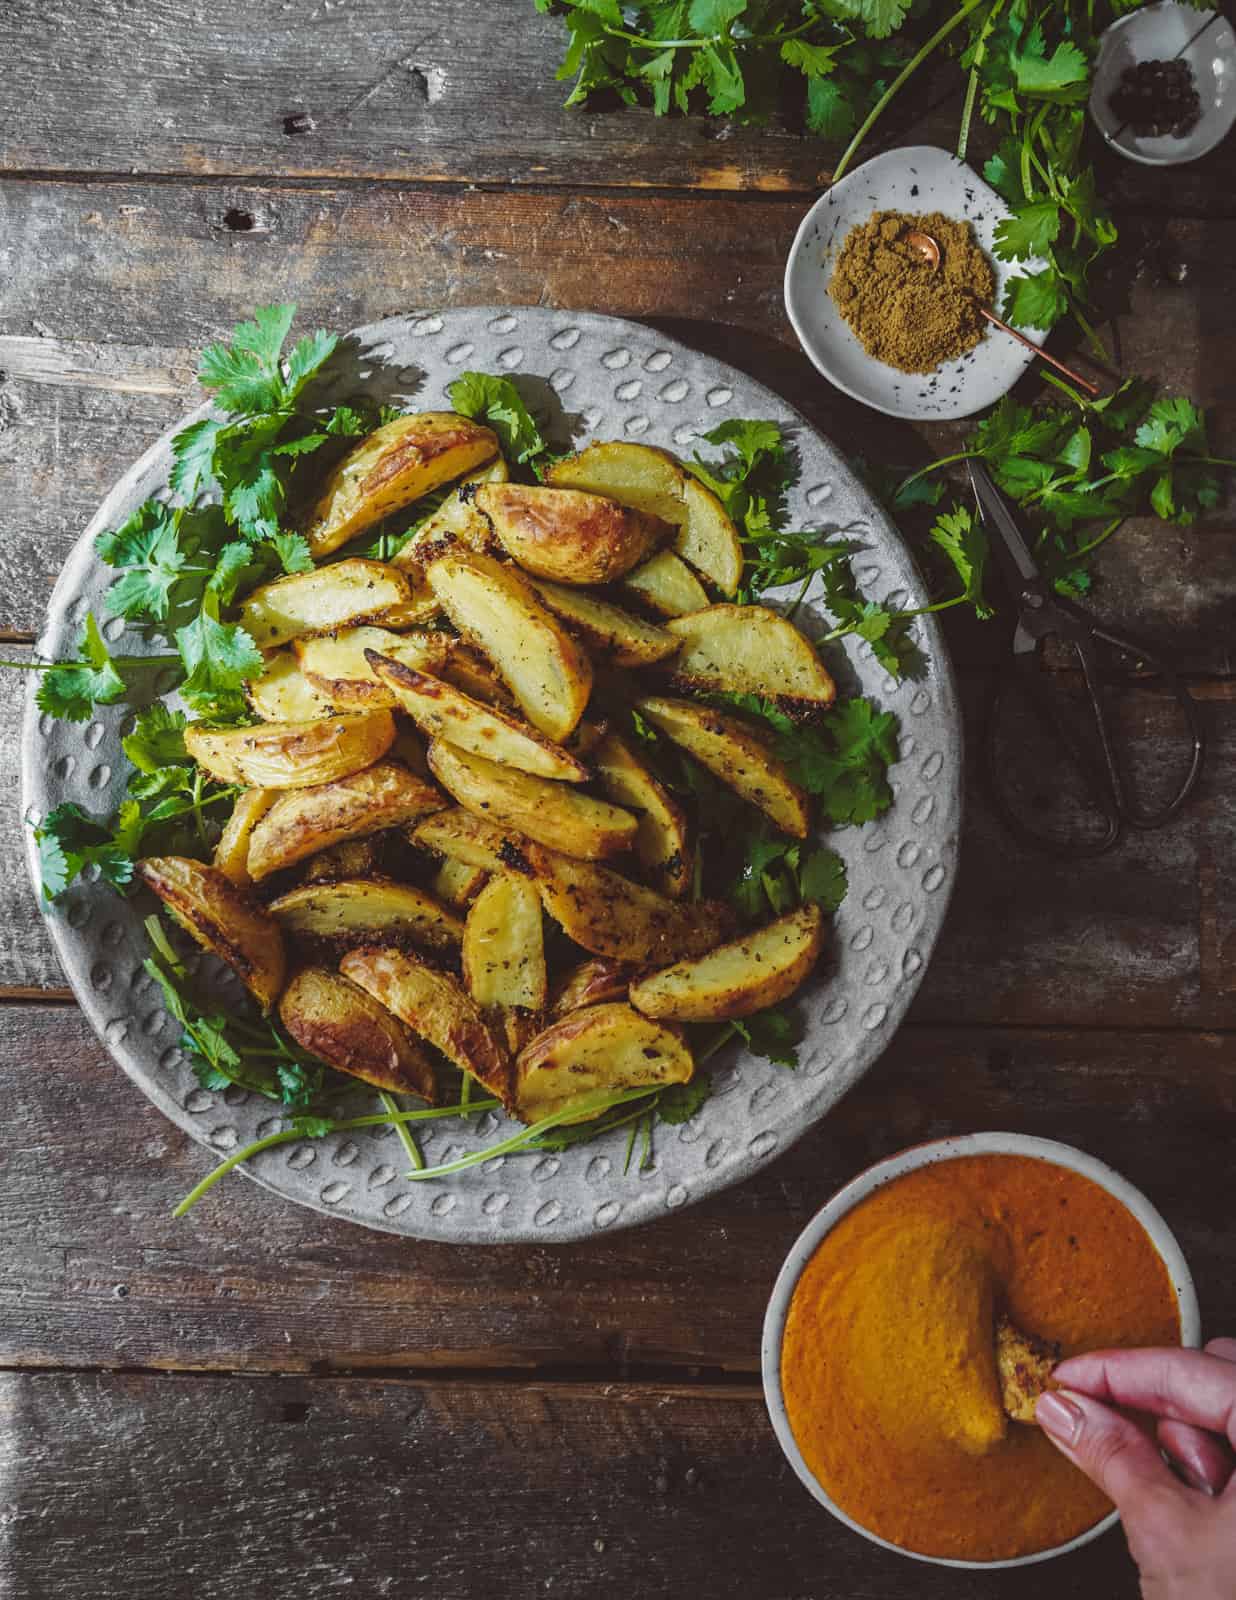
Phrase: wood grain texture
(97, 1273)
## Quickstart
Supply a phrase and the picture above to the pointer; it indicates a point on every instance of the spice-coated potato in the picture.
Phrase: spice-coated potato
(504, 957)
(321, 601)
(394, 466)
(354, 858)
(457, 884)
(613, 636)
(437, 1008)
(735, 752)
(750, 650)
(601, 1047)
(459, 836)
(456, 521)
(593, 981)
(555, 813)
(351, 1031)
(666, 585)
(661, 844)
(292, 755)
(367, 911)
(495, 607)
(232, 850)
(223, 919)
(709, 540)
(468, 670)
(306, 821)
(569, 536)
(283, 693)
(760, 969)
(337, 664)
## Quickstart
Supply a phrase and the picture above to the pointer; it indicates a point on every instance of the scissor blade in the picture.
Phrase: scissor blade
(999, 519)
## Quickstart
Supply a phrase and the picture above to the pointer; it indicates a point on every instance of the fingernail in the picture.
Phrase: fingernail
(1195, 1480)
(1060, 1417)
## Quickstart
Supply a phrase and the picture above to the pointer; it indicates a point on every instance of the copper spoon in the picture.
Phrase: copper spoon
(928, 249)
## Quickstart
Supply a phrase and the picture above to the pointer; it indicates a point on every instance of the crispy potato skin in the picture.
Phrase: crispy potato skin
(661, 844)
(307, 821)
(637, 475)
(337, 665)
(223, 919)
(666, 585)
(321, 601)
(284, 694)
(367, 911)
(709, 540)
(503, 948)
(354, 858)
(437, 1008)
(735, 752)
(347, 1028)
(460, 836)
(613, 636)
(736, 979)
(1024, 1366)
(232, 850)
(569, 536)
(395, 465)
(468, 670)
(292, 755)
(444, 712)
(750, 650)
(538, 807)
(456, 521)
(600, 1047)
(456, 884)
(611, 916)
(496, 608)
(595, 980)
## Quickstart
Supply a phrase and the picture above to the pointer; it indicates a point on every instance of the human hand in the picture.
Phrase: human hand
(1183, 1538)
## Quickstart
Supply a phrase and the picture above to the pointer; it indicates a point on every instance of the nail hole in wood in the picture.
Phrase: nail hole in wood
(237, 221)
(298, 122)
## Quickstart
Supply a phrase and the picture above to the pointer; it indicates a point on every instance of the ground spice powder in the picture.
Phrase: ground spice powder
(904, 313)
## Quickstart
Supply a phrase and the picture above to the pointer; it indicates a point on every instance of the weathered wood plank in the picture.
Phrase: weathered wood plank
(97, 1273)
(201, 1489)
(112, 290)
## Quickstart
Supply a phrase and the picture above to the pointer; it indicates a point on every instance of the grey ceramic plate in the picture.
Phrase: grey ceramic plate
(586, 376)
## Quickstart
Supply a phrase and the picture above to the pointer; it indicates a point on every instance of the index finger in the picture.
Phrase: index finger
(1185, 1385)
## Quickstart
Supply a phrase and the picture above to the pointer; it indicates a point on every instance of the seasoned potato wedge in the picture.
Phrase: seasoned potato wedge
(292, 755)
(750, 650)
(554, 813)
(437, 1008)
(284, 694)
(758, 970)
(495, 607)
(232, 851)
(456, 520)
(504, 958)
(460, 836)
(367, 911)
(420, 608)
(337, 664)
(569, 536)
(394, 466)
(223, 919)
(709, 540)
(323, 600)
(444, 712)
(591, 982)
(354, 858)
(351, 1031)
(666, 585)
(468, 670)
(637, 475)
(601, 1047)
(735, 752)
(613, 636)
(661, 844)
(455, 883)
(306, 821)
(409, 748)
(609, 915)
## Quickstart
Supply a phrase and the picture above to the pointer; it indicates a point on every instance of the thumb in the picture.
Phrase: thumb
(1112, 1451)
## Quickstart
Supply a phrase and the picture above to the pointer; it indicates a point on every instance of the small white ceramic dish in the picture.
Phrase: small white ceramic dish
(918, 179)
(974, 1144)
(1160, 33)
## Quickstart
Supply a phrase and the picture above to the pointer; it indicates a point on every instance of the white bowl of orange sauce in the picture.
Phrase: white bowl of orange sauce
(877, 1368)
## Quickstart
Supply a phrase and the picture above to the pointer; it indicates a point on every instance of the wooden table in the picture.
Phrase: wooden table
(258, 1399)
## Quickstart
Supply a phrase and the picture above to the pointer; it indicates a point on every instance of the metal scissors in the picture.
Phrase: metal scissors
(1088, 745)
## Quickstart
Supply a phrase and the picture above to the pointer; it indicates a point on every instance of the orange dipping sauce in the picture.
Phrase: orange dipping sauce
(887, 1364)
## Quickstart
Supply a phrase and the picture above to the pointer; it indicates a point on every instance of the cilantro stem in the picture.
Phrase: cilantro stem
(911, 66)
(643, 42)
(980, 51)
(1102, 538)
(725, 1033)
(405, 1133)
(631, 1137)
(934, 466)
(290, 1135)
(465, 1092)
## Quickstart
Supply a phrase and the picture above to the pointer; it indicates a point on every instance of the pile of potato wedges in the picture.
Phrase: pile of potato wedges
(436, 765)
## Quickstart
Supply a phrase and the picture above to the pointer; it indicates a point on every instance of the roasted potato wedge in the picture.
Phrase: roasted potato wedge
(322, 601)
(456, 521)
(232, 850)
(569, 536)
(542, 809)
(367, 911)
(470, 840)
(504, 958)
(595, 980)
(661, 844)
(750, 650)
(709, 540)
(468, 670)
(351, 1031)
(223, 920)
(1024, 1366)
(394, 466)
(760, 969)
(307, 821)
(456, 884)
(666, 585)
(637, 475)
(419, 610)
(437, 1008)
(354, 858)
(444, 712)
(735, 752)
(609, 915)
(496, 608)
(601, 1047)
(337, 664)
(284, 694)
(614, 637)
(409, 748)
(292, 755)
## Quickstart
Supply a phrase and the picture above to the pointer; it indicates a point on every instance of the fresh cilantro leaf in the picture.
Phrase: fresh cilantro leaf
(1037, 300)
(148, 547)
(879, 17)
(497, 402)
(71, 689)
(964, 542)
(723, 78)
(815, 60)
(822, 878)
(158, 739)
(845, 759)
(293, 552)
(193, 452)
(830, 110)
(219, 658)
(680, 1101)
(69, 841)
(305, 360)
(773, 1034)
(1030, 230)
(1172, 425)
